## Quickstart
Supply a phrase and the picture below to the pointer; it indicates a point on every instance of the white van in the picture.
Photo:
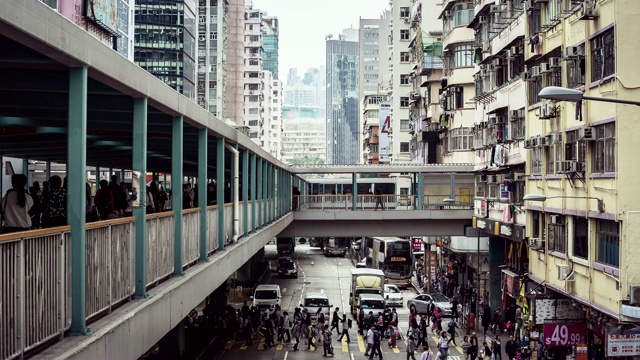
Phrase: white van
(267, 296)
(374, 303)
(314, 301)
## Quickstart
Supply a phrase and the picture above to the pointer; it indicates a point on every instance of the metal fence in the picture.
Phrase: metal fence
(382, 202)
(190, 236)
(35, 289)
(160, 230)
(110, 263)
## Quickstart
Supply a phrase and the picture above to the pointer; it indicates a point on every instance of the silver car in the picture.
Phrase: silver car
(421, 302)
(392, 295)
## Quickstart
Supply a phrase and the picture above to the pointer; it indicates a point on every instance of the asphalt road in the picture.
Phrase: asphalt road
(332, 276)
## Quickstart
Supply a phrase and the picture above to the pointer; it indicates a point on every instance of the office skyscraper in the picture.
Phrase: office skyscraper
(270, 31)
(342, 100)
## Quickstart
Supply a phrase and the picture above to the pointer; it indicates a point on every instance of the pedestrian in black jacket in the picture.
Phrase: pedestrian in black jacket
(511, 348)
(335, 320)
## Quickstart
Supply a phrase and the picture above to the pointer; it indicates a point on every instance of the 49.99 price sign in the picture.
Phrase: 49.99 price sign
(565, 334)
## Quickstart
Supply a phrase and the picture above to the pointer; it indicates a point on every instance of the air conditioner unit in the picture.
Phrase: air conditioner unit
(554, 63)
(494, 9)
(514, 50)
(588, 10)
(528, 144)
(563, 272)
(571, 52)
(500, 120)
(519, 176)
(515, 114)
(533, 242)
(483, 178)
(483, 72)
(492, 179)
(555, 219)
(527, 76)
(482, 19)
(509, 55)
(563, 166)
(535, 71)
(634, 295)
(447, 14)
(544, 141)
(544, 68)
(554, 138)
(586, 134)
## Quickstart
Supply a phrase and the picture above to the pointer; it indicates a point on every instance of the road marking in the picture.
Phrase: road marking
(261, 345)
(228, 345)
(361, 346)
(345, 345)
(286, 353)
(243, 347)
(351, 356)
(279, 347)
(395, 350)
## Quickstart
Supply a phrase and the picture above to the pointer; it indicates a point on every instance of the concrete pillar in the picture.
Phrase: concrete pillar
(76, 205)
(139, 163)
(202, 190)
(494, 283)
(452, 188)
(173, 344)
(177, 139)
(420, 193)
(354, 192)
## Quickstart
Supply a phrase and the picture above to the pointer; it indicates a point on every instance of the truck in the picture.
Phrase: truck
(365, 281)
(285, 244)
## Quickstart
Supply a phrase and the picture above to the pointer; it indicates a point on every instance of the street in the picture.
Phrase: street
(331, 275)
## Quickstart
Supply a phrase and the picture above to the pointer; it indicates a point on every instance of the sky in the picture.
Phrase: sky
(305, 23)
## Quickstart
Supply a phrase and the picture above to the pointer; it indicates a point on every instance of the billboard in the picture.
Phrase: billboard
(384, 148)
(104, 12)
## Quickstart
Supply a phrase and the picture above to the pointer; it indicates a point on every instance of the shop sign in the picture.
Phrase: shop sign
(511, 283)
(416, 243)
(552, 309)
(565, 334)
(398, 258)
(433, 265)
(481, 224)
(623, 345)
(582, 352)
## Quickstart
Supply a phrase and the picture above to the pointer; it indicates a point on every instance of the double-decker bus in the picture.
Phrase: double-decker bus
(335, 246)
(392, 255)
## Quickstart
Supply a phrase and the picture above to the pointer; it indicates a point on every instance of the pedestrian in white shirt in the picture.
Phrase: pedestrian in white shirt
(16, 205)
(369, 341)
(426, 355)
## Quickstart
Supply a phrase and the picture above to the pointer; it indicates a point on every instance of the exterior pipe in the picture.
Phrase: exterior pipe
(236, 191)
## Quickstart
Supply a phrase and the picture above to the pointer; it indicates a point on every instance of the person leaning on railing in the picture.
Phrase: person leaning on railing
(16, 205)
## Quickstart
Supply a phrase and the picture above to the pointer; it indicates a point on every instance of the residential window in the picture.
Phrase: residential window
(254, 38)
(371, 59)
(552, 10)
(404, 125)
(213, 35)
(370, 76)
(253, 122)
(603, 55)
(213, 84)
(404, 79)
(580, 237)
(253, 111)
(404, 34)
(574, 150)
(534, 21)
(254, 62)
(575, 71)
(370, 51)
(517, 64)
(370, 43)
(404, 147)
(371, 67)
(375, 99)
(404, 102)
(253, 99)
(460, 139)
(518, 125)
(534, 87)
(462, 56)
(604, 154)
(405, 12)
(550, 153)
(554, 78)
(404, 56)
(462, 14)
(458, 97)
(608, 242)
(373, 114)
(556, 237)
(536, 160)
(253, 135)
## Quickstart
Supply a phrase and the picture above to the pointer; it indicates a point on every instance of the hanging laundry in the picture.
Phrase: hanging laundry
(512, 209)
(506, 214)
(511, 186)
(498, 156)
(493, 155)
(477, 58)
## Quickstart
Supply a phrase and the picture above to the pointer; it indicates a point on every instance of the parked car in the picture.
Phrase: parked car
(392, 295)
(284, 259)
(420, 303)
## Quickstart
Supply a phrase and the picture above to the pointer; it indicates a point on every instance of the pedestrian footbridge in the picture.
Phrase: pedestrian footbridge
(112, 289)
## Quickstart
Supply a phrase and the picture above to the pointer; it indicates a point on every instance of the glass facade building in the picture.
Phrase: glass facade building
(342, 102)
(270, 44)
(165, 43)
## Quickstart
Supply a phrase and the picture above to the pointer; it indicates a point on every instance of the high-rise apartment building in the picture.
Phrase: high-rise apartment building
(235, 63)
(303, 140)
(254, 83)
(165, 42)
(371, 119)
(272, 139)
(342, 99)
(400, 69)
(308, 92)
(373, 37)
(113, 25)
(212, 56)
(270, 38)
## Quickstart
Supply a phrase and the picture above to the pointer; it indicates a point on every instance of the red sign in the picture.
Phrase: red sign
(565, 334)
(416, 243)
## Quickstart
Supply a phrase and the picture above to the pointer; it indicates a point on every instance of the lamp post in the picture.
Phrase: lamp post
(564, 94)
(539, 197)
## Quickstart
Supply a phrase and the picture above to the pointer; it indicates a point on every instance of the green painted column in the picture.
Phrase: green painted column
(47, 170)
(139, 164)
(354, 191)
(266, 175)
(202, 190)
(76, 205)
(220, 185)
(254, 173)
(259, 196)
(420, 192)
(232, 165)
(177, 178)
(25, 168)
(245, 190)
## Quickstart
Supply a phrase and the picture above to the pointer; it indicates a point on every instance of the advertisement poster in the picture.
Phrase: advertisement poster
(623, 344)
(104, 12)
(416, 244)
(383, 133)
(433, 265)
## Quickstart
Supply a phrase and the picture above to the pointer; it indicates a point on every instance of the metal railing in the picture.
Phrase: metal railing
(190, 236)
(212, 228)
(160, 230)
(381, 202)
(110, 263)
(35, 288)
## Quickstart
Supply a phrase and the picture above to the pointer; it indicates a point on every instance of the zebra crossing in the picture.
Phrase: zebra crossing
(357, 345)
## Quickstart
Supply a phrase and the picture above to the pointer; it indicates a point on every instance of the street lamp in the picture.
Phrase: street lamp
(539, 197)
(564, 94)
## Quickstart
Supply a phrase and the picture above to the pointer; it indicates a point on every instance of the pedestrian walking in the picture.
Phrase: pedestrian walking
(451, 329)
(296, 333)
(443, 346)
(369, 340)
(311, 333)
(377, 339)
(497, 348)
(346, 325)
(411, 348)
(335, 320)
(465, 348)
(473, 346)
(511, 348)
